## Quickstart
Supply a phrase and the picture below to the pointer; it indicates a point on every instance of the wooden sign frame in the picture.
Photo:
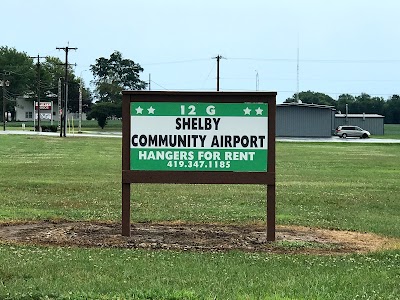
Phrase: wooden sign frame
(197, 177)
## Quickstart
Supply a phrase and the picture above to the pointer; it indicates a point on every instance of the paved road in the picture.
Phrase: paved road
(336, 139)
(333, 139)
(76, 134)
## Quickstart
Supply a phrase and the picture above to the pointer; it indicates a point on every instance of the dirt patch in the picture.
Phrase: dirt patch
(195, 237)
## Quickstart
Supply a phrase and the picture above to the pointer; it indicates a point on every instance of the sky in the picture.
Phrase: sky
(331, 47)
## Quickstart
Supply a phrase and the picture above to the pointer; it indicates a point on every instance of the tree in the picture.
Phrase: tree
(19, 70)
(313, 97)
(22, 72)
(367, 104)
(101, 111)
(113, 75)
(392, 110)
(53, 69)
(343, 100)
(363, 103)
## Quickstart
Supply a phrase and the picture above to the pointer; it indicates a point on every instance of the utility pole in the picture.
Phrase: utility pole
(80, 107)
(59, 104)
(64, 115)
(38, 89)
(80, 101)
(4, 83)
(218, 58)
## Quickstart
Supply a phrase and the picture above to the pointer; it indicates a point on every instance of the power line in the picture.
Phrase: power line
(17, 73)
(318, 60)
(277, 59)
(174, 62)
(159, 85)
(208, 76)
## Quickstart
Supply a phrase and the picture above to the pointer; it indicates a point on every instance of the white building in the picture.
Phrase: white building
(26, 111)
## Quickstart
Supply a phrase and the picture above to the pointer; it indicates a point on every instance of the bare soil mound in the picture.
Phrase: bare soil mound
(195, 237)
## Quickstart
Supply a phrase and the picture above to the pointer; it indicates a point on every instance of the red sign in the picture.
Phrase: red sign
(43, 105)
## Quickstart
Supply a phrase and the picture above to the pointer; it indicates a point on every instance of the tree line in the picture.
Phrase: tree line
(364, 103)
(29, 78)
(114, 74)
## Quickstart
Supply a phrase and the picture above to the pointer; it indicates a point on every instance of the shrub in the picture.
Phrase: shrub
(47, 128)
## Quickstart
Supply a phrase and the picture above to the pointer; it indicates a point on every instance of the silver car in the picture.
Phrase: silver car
(351, 131)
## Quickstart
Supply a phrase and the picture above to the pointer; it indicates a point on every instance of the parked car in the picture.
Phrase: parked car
(351, 131)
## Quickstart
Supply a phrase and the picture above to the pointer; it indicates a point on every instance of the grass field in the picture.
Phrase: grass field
(342, 186)
(392, 131)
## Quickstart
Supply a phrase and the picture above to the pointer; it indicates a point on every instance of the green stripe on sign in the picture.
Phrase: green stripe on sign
(199, 160)
(199, 109)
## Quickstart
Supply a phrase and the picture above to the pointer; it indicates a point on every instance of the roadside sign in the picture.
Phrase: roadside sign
(43, 105)
(43, 116)
(198, 138)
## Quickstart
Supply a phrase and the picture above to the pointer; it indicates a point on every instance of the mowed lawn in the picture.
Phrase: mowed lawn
(328, 185)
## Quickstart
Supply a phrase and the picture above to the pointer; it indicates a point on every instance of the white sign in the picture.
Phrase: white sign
(43, 116)
(199, 136)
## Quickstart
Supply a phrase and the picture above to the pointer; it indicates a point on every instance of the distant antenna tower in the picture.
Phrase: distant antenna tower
(257, 81)
(297, 92)
(149, 81)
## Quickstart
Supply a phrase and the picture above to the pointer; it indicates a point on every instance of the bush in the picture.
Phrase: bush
(47, 128)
